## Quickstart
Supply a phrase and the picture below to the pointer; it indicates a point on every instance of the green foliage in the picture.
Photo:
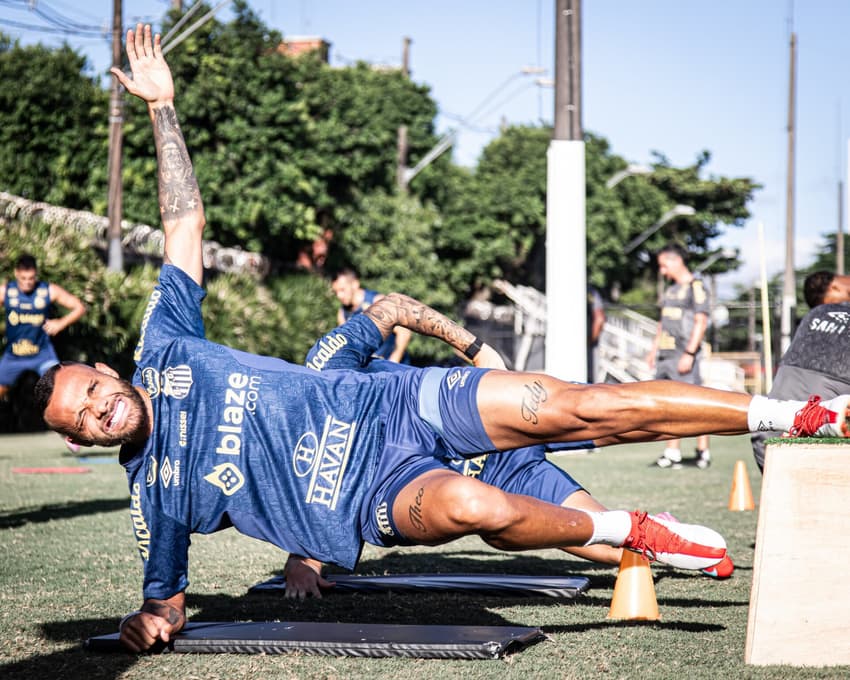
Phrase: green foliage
(286, 148)
(107, 330)
(280, 145)
(281, 320)
(499, 213)
(47, 141)
(388, 240)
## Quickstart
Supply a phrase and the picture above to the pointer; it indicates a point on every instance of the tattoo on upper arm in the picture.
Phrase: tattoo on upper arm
(178, 188)
(415, 512)
(534, 396)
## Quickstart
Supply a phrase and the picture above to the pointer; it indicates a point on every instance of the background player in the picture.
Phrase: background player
(27, 303)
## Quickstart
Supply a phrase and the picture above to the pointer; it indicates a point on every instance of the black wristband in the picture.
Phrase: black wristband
(472, 351)
(693, 354)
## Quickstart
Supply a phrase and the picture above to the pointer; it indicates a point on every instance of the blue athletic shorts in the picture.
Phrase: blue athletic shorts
(448, 435)
(11, 367)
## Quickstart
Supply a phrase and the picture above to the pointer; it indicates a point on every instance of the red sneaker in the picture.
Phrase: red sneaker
(686, 546)
(722, 570)
(822, 418)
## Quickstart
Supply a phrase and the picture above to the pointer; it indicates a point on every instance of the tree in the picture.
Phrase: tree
(48, 144)
(280, 144)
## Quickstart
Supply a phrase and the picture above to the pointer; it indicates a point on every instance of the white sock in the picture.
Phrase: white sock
(611, 527)
(772, 414)
(673, 454)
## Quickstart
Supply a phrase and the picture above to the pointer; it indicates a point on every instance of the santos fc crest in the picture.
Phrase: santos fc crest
(175, 381)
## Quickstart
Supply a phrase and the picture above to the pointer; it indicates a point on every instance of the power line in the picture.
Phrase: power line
(57, 22)
(48, 29)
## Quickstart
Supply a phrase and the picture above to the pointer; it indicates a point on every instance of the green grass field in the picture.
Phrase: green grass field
(69, 570)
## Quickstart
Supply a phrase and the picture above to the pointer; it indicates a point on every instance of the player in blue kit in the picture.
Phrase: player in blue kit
(318, 462)
(27, 302)
(523, 471)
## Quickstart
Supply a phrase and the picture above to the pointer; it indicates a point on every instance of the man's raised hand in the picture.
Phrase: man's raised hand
(151, 79)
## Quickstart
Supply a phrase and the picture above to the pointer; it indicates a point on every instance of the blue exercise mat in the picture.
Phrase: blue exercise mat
(565, 587)
(340, 639)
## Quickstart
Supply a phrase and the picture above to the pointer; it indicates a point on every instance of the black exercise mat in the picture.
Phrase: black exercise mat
(341, 639)
(565, 587)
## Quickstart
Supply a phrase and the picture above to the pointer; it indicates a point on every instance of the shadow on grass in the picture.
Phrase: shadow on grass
(684, 626)
(438, 608)
(474, 561)
(45, 513)
(58, 664)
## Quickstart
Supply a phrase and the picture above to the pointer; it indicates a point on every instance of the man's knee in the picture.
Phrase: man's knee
(480, 508)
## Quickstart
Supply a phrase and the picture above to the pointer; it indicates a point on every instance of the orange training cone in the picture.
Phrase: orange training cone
(741, 496)
(634, 591)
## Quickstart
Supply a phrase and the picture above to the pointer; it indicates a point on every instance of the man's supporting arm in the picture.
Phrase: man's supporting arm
(304, 577)
(158, 620)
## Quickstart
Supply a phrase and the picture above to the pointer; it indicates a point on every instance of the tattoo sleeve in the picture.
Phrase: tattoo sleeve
(400, 310)
(179, 194)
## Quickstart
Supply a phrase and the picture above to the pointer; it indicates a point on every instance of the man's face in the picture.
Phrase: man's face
(344, 288)
(670, 265)
(26, 278)
(93, 406)
(839, 290)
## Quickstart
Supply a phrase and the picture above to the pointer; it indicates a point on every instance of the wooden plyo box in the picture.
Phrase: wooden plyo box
(800, 601)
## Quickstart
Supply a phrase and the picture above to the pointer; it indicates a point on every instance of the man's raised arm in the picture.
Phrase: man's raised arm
(180, 202)
(396, 309)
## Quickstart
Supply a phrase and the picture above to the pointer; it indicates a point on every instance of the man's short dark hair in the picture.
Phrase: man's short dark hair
(350, 272)
(815, 287)
(676, 248)
(43, 389)
(26, 262)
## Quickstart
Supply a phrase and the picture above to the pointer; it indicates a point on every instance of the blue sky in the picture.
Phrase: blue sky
(660, 75)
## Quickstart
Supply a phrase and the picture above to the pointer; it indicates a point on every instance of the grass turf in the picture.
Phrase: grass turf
(69, 570)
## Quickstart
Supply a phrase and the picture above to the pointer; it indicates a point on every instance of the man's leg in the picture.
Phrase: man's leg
(519, 409)
(441, 505)
(606, 554)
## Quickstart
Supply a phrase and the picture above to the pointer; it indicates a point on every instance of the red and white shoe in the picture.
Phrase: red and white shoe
(822, 418)
(722, 570)
(686, 546)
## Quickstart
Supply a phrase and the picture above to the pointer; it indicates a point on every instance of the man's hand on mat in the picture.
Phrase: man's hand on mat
(158, 621)
(489, 358)
(304, 577)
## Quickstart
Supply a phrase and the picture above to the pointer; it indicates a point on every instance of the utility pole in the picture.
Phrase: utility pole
(789, 289)
(405, 57)
(566, 258)
(115, 257)
(401, 141)
(401, 159)
(839, 234)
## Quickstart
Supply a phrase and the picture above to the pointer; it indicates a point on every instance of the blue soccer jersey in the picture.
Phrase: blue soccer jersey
(25, 317)
(280, 452)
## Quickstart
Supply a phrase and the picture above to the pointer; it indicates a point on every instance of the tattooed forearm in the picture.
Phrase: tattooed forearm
(400, 310)
(178, 189)
(533, 397)
(164, 610)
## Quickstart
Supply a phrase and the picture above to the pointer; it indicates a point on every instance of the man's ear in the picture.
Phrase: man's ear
(103, 368)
